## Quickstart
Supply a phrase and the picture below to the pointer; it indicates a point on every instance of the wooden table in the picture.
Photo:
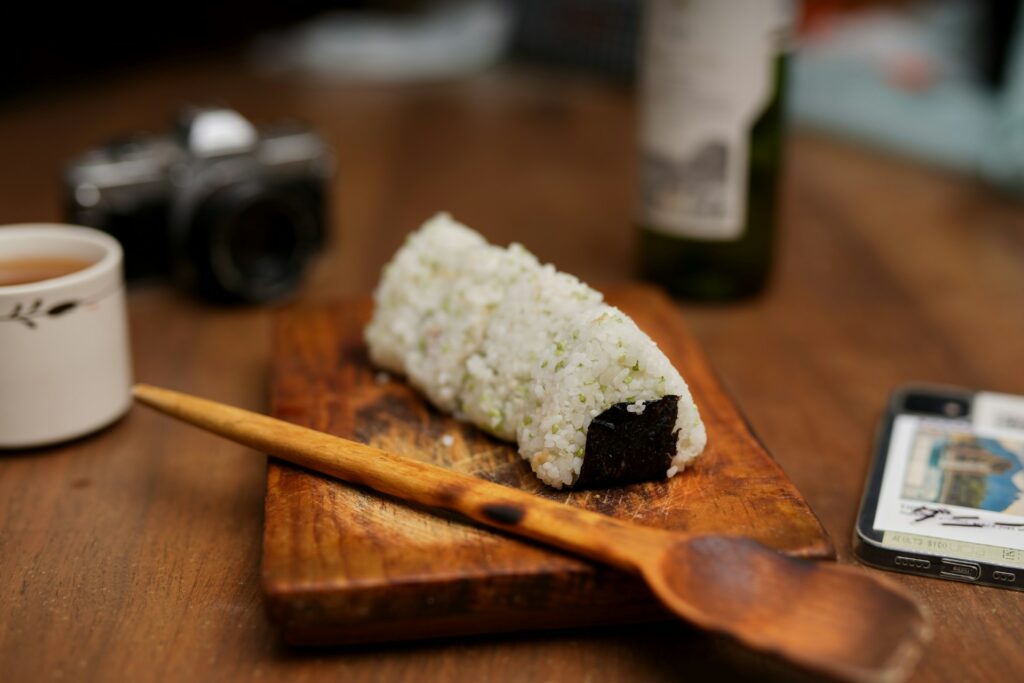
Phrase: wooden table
(133, 554)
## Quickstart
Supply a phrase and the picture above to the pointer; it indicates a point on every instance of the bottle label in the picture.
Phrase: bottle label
(707, 76)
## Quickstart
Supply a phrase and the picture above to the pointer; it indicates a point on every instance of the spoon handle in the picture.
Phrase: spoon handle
(596, 536)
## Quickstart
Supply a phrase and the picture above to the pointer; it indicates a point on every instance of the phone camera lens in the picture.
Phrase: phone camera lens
(931, 404)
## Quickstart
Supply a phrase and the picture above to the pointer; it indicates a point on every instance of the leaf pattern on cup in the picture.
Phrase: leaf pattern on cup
(61, 308)
(27, 313)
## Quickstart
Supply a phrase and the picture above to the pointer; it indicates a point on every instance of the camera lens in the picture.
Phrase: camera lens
(263, 243)
(251, 243)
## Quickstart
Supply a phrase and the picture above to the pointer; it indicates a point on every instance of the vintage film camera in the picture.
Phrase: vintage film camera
(229, 211)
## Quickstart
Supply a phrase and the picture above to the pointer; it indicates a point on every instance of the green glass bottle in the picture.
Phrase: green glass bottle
(713, 79)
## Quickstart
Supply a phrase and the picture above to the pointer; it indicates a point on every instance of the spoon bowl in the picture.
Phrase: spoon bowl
(827, 617)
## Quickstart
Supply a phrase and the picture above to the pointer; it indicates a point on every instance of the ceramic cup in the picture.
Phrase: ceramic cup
(65, 368)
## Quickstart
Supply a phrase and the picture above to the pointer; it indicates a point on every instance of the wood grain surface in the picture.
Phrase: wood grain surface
(342, 564)
(837, 620)
(134, 554)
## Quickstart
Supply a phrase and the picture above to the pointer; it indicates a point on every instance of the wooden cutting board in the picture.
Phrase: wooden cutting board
(346, 565)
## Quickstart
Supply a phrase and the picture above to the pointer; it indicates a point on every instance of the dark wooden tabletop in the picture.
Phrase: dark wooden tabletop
(134, 554)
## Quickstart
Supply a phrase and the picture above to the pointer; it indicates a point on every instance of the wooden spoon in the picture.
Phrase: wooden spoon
(829, 618)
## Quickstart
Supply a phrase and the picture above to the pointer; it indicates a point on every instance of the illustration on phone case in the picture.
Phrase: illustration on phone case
(959, 468)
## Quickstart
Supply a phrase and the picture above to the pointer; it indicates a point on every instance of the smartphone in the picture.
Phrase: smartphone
(945, 494)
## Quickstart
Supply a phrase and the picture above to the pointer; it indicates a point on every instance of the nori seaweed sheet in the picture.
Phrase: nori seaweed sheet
(624, 447)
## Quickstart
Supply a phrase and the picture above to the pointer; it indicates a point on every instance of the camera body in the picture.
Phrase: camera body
(227, 210)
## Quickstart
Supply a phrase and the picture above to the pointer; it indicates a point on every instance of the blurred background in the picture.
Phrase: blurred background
(933, 78)
(462, 83)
